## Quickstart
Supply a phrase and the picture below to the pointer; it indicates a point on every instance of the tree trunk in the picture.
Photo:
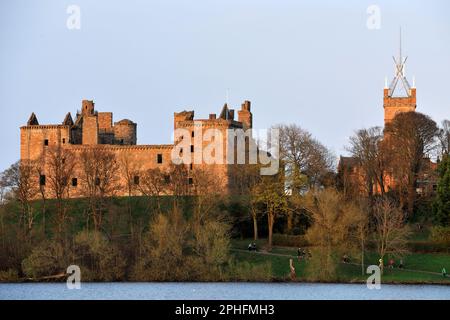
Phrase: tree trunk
(289, 222)
(270, 219)
(411, 199)
(362, 257)
(255, 228)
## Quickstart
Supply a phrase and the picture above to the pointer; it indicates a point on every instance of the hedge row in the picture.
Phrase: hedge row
(288, 240)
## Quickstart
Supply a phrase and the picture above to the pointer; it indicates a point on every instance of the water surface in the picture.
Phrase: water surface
(216, 291)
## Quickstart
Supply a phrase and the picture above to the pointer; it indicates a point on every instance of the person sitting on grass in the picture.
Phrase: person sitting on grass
(400, 265)
(345, 259)
(391, 264)
(444, 272)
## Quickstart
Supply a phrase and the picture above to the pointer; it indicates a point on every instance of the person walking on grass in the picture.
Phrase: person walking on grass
(299, 254)
(444, 272)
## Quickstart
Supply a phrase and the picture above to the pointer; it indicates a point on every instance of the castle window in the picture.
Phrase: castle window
(63, 160)
(160, 159)
(46, 142)
(74, 182)
(42, 180)
(190, 181)
(192, 148)
(192, 134)
(64, 140)
(190, 166)
(181, 150)
(136, 180)
(97, 181)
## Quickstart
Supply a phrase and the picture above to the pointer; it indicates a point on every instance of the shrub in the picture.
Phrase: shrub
(98, 258)
(45, 260)
(440, 234)
(245, 271)
(10, 275)
(290, 240)
(428, 246)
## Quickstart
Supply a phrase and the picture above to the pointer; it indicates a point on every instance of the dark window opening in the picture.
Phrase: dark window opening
(181, 150)
(42, 180)
(160, 158)
(74, 182)
(190, 181)
(64, 140)
(46, 142)
(191, 166)
(63, 160)
(192, 134)
(97, 181)
(192, 148)
(136, 180)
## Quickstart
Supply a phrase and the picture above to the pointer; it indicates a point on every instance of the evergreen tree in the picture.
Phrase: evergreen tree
(441, 205)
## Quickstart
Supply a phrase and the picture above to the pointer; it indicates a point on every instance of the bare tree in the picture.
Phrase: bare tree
(334, 223)
(366, 148)
(270, 193)
(178, 182)
(303, 155)
(244, 178)
(409, 138)
(154, 184)
(444, 137)
(130, 172)
(391, 233)
(206, 188)
(20, 179)
(59, 167)
(100, 180)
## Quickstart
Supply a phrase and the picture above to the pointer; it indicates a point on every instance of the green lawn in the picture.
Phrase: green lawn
(430, 262)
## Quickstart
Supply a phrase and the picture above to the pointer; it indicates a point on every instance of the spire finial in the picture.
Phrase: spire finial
(400, 74)
(400, 59)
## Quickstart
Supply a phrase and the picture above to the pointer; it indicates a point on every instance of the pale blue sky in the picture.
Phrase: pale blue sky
(314, 63)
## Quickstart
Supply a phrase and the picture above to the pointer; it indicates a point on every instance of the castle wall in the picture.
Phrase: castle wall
(90, 130)
(94, 130)
(35, 139)
(105, 121)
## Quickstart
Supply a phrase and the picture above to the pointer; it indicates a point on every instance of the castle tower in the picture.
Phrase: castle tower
(245, 115)
(90, 123)
(399, 96)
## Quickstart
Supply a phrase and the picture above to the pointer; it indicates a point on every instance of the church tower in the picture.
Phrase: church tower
(399, 96)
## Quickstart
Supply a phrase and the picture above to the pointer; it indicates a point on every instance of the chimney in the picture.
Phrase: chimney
(212, 116)
(245, 116)
(246, 105)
